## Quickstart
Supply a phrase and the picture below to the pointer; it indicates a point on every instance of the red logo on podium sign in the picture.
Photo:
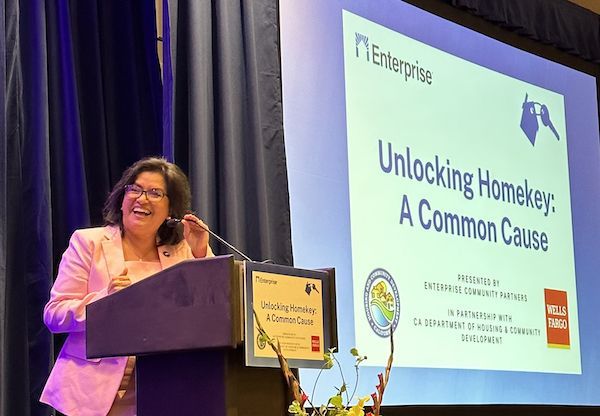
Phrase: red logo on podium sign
(315, 344)
(557, 318)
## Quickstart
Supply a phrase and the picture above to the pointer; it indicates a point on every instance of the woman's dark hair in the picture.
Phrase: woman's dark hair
(178, 191)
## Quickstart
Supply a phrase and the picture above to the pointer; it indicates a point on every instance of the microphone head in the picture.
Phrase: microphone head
(172, 222)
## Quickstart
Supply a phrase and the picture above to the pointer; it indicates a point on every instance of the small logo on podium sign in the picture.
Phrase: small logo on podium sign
(315, 343)
(310, 287)
(557, 318)
(261, 343)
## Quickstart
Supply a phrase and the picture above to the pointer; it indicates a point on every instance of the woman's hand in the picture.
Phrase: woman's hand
(119, 282)
(196, 234)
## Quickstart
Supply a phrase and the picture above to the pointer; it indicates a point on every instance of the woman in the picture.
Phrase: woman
(135, 243)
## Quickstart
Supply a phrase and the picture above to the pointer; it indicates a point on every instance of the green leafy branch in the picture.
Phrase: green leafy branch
(335, 405)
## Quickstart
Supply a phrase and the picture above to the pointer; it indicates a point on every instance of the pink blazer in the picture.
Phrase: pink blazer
(77, 385)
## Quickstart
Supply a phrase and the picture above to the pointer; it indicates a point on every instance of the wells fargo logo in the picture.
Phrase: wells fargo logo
(557, 318)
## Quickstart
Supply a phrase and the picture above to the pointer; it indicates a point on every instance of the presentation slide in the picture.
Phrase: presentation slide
(453, 181)
(444, 164)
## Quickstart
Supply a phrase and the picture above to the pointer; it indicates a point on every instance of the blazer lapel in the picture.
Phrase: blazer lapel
(112, 249)
(169, 255)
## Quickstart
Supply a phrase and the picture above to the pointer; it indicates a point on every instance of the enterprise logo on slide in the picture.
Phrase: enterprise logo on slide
(382, 302)
(375, 54)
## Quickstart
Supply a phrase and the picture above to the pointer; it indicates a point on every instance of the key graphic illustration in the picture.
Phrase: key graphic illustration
(545, 116)
(310, 287)
(529, 119)
(529, 123)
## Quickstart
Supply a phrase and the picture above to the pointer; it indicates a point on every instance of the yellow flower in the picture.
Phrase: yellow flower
(296, 409)
(357, 409)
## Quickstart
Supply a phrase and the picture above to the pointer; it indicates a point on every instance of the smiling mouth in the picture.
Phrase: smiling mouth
(140, 211)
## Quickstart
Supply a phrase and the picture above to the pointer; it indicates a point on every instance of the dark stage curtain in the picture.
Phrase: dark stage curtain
(27, 266)
(559, 23)
(228, 122)
(82, 98)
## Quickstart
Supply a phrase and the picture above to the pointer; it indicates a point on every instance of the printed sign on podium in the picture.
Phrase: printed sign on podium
(295, 307)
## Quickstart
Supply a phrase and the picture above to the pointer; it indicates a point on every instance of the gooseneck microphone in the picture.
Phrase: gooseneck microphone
(173, 222)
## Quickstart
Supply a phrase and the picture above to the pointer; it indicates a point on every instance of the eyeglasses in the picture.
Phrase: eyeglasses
(153, 195)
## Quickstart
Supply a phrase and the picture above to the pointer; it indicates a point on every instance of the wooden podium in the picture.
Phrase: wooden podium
(184, 326)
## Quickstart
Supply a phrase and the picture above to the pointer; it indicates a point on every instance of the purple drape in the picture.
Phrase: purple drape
(167, 74)
(82, 99)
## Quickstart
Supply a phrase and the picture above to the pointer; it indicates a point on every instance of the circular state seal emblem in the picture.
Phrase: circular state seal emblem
(382, 302)
(261, 343)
